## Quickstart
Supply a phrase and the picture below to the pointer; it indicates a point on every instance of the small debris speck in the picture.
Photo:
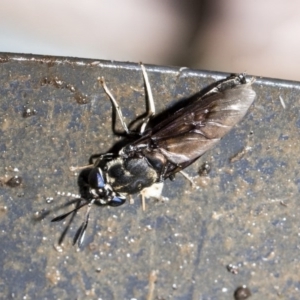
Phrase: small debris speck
(242, 293)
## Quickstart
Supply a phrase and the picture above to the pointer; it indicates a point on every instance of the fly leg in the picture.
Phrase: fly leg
(153, 191)
(93, 161)
(116, 105)
(79, 168)
(189, 178)
(79, 237)
(151, 105)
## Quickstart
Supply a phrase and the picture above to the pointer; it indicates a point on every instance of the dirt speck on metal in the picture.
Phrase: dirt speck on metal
(236, 217)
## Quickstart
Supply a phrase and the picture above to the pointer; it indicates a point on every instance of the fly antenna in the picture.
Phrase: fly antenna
(63, 216)
(82, 229)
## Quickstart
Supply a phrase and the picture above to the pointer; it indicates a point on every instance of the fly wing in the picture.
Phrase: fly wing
(196, 128)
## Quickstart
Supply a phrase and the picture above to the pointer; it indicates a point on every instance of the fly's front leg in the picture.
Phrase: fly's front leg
(151, 105)
(96, 158)
(93, 161)
(79, 168)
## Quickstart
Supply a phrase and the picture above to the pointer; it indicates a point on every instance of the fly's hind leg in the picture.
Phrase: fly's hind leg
(151, 106)
(116, 105)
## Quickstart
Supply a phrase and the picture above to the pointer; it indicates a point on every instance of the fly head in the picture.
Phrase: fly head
(102, 191)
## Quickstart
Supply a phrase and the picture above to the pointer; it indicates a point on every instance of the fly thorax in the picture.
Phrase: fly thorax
(131, 175)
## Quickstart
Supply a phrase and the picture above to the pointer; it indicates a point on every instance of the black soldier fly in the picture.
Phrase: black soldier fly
(164, 150)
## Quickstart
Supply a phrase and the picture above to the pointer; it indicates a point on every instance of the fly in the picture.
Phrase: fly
(164, 150)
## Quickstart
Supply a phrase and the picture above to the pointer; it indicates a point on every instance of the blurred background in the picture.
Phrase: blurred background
(257, 37)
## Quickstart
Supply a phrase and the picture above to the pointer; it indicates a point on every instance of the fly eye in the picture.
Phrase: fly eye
(117, 201)
(96, 179)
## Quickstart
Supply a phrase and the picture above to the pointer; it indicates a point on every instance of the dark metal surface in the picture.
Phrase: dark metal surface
(54, 114)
